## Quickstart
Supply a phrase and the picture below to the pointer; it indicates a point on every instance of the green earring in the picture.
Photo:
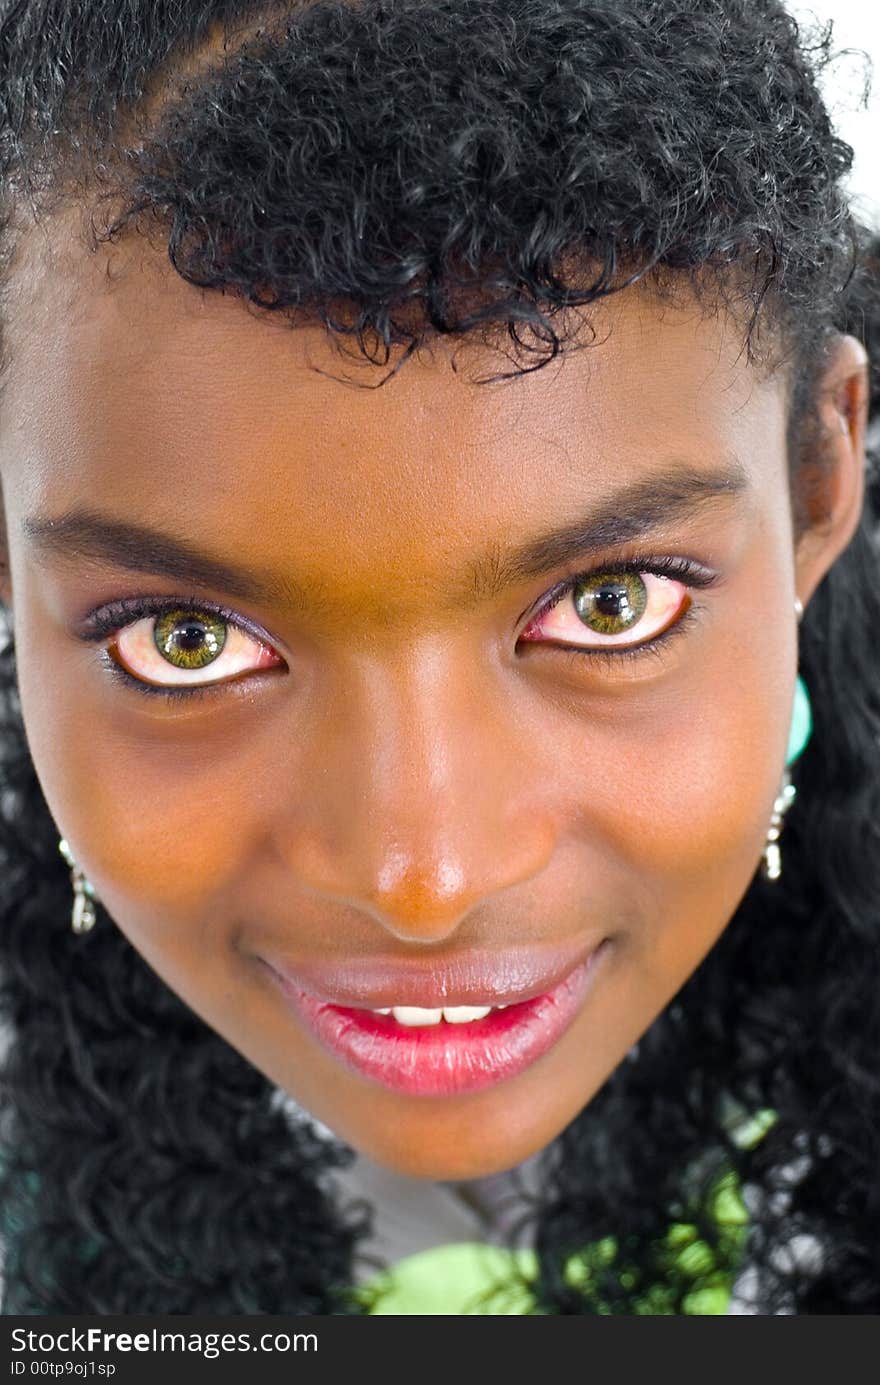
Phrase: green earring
(801, 722)
(799, 734)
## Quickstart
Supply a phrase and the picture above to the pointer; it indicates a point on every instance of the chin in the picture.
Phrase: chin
(457, 1160)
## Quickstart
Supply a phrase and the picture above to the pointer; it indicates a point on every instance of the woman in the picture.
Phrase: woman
(462, 766)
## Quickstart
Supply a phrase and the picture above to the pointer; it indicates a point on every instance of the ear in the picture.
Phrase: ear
(831, 480)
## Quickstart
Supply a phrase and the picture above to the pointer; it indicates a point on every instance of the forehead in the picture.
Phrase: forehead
(128, 387)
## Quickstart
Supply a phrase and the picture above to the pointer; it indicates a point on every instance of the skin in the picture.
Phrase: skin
(416, 780)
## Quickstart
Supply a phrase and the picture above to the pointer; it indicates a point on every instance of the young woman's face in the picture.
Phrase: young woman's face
(410, 781)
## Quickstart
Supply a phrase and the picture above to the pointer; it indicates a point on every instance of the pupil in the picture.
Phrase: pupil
(189, 637)
(612, 601)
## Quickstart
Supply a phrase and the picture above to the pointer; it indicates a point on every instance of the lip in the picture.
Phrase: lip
(445, 1059)
(474, 978)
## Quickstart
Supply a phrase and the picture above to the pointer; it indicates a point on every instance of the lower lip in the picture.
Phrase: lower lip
(444, 1059)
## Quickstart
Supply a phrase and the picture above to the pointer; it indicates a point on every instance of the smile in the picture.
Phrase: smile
(444, 1050)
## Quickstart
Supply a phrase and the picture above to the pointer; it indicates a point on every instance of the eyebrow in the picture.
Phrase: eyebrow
(630, 512)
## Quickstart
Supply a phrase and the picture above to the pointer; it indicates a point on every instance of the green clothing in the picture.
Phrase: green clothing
(470, 1278)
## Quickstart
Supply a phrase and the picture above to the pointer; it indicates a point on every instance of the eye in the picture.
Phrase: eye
(177, 647)
(618, 611)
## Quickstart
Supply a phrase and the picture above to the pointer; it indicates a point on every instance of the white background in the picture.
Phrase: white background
(856, 32)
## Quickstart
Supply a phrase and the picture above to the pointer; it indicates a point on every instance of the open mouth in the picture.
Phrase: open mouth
(447, 1049)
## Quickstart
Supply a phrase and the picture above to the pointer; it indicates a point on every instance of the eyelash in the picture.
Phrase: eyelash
(111, 619)
(693, 576)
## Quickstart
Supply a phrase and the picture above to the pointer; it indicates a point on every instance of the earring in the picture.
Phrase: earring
(798, 736)
(83, 916)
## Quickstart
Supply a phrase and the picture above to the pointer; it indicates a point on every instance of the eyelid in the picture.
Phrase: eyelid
(686, 570)
(107, 620)
(113, 618)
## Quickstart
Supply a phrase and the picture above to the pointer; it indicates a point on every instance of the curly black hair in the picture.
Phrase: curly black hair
(401, 170)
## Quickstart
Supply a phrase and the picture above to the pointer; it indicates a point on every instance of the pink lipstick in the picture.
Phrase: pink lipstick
(424, 1053)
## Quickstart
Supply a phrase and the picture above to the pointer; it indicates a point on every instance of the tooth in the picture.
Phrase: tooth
(461, 1014)
(414, 1014)
(452, 1014)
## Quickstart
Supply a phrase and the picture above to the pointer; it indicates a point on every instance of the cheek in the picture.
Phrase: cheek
(152, 828)
(664, 791)
(150, 818)
(671, 792)
(702, 789)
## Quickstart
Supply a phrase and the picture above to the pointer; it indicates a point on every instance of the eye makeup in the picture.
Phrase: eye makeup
(683, 570)
(108, 621)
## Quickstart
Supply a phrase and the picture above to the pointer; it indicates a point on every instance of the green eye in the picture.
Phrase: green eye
(609, 603)
(189, 640)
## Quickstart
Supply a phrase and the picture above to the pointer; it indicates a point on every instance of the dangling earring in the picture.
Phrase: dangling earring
(799, 735)
(83, 916)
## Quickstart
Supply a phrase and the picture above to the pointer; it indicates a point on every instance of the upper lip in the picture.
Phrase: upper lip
(500, 977)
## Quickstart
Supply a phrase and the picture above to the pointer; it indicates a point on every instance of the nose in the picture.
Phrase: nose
(420, 799)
